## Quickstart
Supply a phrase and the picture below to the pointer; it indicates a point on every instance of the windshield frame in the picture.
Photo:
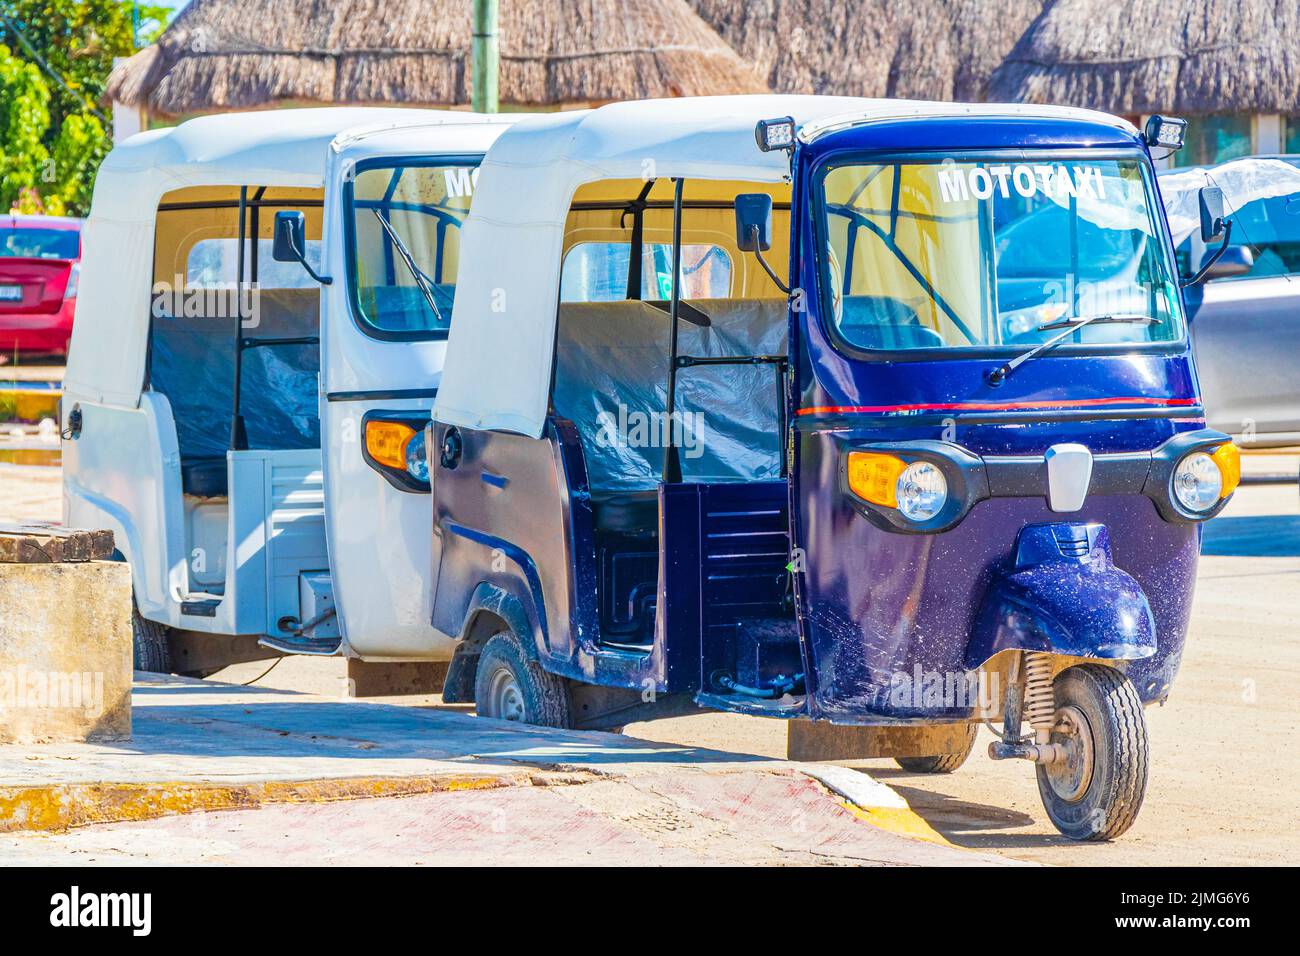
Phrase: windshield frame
(413, 161)
(1177, 344)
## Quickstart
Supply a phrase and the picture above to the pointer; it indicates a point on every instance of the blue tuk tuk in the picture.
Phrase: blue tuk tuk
(871, 412)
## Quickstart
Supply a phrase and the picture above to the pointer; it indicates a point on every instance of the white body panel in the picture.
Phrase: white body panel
(379, 534)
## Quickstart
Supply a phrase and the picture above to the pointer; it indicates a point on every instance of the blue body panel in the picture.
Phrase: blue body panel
(875, 603)
(1063, 594)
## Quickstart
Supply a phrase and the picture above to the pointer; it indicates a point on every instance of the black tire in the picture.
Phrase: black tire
(510, 686)
(1116, 774)
(940, 763)
(149, 642)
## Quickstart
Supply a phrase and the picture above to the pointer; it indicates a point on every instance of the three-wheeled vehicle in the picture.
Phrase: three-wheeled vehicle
(870, 412)
(248, 427)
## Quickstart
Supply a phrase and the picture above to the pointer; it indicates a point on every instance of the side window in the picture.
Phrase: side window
(405, 246)
(597, 272)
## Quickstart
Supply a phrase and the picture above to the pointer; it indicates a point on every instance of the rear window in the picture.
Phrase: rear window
(214, 264)
(597, 272)
(40, 243)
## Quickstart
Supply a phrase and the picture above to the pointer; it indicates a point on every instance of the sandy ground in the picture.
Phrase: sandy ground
(30, 493)
(1222, 789)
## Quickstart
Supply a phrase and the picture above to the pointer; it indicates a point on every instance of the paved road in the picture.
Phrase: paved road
(1224, 783)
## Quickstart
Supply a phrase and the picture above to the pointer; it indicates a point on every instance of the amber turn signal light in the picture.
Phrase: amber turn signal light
(1228, 459)
(386, 442)
(874, 477)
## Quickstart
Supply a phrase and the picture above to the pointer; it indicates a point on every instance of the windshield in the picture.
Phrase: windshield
(976, 253)
(406, 222)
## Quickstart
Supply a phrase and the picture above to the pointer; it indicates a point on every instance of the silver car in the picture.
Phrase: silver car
(1245, 316)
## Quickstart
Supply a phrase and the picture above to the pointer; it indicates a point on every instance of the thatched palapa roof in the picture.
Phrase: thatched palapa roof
(1146, 56)
(245, 54)
(920, 49)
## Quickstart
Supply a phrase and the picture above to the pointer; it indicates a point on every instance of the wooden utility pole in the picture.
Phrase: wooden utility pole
(486, 57)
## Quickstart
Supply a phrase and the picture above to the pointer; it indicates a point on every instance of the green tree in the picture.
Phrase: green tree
(54, 66)
(24, 121)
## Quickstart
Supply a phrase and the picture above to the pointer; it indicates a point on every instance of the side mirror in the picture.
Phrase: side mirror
(1213, 226)
(289, 242)
(753, 222)
(1235, 261)
(1211, 199)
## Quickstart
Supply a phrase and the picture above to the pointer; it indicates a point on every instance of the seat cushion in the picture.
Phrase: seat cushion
(205, 477)
(626, 512)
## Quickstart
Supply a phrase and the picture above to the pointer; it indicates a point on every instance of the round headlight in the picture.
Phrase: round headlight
(417, 463)
(921, 490)
(1197, 482)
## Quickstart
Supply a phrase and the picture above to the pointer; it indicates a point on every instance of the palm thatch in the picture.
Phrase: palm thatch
(245, 54)
(1148, 56)
(920, 49)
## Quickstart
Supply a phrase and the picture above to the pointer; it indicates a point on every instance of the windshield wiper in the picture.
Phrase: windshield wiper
(1070, 326)
(421, 280)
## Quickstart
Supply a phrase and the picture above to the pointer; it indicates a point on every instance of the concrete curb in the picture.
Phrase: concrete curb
(873, 802)
(64, 806)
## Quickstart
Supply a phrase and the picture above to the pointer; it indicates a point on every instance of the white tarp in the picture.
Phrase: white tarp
(1243, 181)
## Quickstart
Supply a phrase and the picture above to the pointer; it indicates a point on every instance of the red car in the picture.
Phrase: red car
(39, 266)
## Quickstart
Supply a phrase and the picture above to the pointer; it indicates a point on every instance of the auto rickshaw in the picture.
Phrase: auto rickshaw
(872, 412)
(261, 325)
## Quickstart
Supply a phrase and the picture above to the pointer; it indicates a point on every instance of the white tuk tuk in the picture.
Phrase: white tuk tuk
(250, 427)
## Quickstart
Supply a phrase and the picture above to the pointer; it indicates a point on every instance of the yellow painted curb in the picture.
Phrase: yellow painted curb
(30, 405)
(873, 802)
(903, 822)
(64, 806)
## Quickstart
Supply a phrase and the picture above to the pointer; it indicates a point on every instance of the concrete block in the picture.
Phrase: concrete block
(385, 679)
(65, 652)
(818, 740)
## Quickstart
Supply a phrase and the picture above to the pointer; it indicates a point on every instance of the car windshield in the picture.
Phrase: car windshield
(39, 243)
(976, 253)
(406, 222)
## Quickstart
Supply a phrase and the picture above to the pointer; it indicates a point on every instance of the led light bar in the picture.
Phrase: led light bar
(775, 134)
(1167, 131)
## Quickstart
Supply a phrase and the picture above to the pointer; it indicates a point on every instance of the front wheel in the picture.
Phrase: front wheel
(510, 686)
(940, 763)
(1096, 791)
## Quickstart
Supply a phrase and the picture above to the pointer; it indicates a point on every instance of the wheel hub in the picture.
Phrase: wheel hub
(1070, 777)
(505, 698)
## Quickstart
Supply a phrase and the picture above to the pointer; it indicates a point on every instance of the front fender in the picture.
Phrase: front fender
(1064, 595)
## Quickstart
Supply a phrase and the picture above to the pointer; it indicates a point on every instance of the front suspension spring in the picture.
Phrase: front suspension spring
(1040, 698)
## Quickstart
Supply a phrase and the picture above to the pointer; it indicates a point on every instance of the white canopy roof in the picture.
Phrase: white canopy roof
(499, 352)
(286, 148)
